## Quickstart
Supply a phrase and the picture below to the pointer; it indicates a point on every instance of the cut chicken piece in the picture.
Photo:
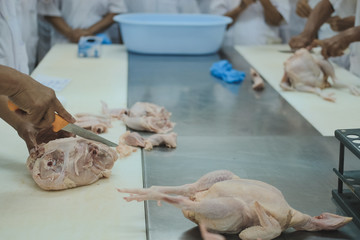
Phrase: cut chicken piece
(70, 162)
(258, 82)
(149, 124)
(168, 140)
(136, 140)
(133, 139)
(148, 117)
(145, 109)
(125, 150)
(94, 123)
(113, 113)
(225, 203)
(306, 73)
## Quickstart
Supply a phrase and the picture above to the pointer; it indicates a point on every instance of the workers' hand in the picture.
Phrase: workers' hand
(34, 137)
(37, 102)
(245, 3)
(338, 24)
(331, 47)
(300, 41)
(303, 9)
(77, 33)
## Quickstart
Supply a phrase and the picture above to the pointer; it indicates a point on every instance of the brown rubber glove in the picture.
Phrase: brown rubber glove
(34, 137)
(37, 102)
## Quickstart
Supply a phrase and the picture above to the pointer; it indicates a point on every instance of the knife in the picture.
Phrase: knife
(292, 51)
(62, 124)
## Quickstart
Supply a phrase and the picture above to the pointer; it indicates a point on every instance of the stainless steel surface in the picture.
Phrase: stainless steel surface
(228, 126)
(87, 134)
(205, 106)
(301, 167)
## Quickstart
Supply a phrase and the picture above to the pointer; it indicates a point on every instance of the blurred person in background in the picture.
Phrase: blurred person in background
(19, 34)
(325, 19)
(162, 6)
(74, 19)
(255, 22)
(204, 6)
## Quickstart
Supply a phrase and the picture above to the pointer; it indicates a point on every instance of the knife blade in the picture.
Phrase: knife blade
(292, 51)
(62, 124)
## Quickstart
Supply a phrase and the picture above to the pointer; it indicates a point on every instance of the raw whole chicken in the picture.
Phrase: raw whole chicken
(70, 162)
(225, 203)
(306, 73)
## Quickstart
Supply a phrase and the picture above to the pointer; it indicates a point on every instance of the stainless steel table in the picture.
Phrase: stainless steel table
(257, 135)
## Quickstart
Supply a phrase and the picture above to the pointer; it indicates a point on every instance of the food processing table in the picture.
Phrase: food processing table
(84, 213)
(257, 135)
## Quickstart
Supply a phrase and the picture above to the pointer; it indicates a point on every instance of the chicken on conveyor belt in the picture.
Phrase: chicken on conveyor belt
(70, 162)
(225, 203)
(307, 73)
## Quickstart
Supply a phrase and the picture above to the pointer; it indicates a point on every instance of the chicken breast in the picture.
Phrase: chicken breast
(70, 162)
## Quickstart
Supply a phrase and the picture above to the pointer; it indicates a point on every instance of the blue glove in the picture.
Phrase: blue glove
(105, 38)
(223, 70)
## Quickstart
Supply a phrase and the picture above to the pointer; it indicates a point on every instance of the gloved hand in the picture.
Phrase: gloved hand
(223, 70)
(37, 102)
(34, 137)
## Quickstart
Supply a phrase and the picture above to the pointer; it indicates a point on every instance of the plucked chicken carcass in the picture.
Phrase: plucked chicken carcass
(225, 203)
(70, 162)
(306, 73)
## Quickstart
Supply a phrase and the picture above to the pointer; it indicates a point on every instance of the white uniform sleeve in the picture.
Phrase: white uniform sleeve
(188, 6)
(344, 8)
(117, 6)
(49, 8)
(219, 7)
(283, 6)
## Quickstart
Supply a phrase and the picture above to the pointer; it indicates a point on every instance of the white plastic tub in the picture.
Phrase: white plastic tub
(172, 33)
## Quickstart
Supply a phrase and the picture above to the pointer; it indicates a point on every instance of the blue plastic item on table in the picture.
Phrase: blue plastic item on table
(89, 46)
(190, 34)
(105, 38)
(223, 70)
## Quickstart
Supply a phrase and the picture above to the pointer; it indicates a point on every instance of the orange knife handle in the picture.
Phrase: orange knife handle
(59, 123)
(12, 106)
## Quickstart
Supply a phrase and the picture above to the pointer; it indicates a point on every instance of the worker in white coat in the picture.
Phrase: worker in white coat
(162, 6)
(254, 22)
(335, 12)
(18, 38)
(342, 18)
(74, 19)
(325, 19)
